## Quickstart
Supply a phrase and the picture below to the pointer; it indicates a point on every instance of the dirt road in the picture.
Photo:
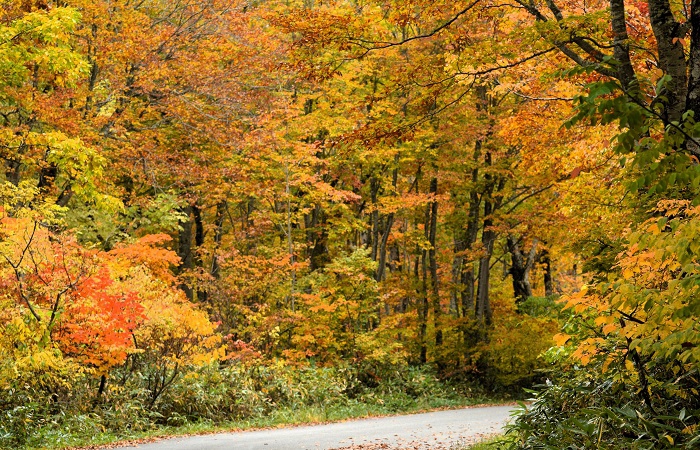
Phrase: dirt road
(434, 430)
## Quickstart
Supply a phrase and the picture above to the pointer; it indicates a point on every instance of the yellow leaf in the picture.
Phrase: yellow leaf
(609, 328)
(601, 320)
(585, 359)
(606, 365)
(560, 339)
(579, 308)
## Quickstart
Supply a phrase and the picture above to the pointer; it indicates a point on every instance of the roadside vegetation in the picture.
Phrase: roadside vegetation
(500, 442)
(227, 398)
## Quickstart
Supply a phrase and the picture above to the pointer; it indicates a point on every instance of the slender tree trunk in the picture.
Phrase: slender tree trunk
(520, 268)
(317, 236)
(488, 235)
(488, 238)
(483, 302)
(199, 236)
(381, 266)
(458, 261)
(422, 289)
(94, 70)
(290, 242)
(621, 50)
(374, 185)
(388, 224)
(12, 171)
(463, 269)
(422, 310)
(548, 279)
(432, 260)
(221, 208)
(184, 250)
(100, 390)
(468, 278)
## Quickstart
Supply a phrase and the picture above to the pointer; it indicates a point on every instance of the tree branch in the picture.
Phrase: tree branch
(378, 45)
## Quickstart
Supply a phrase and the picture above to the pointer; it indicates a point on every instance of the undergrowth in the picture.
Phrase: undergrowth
(225, 398)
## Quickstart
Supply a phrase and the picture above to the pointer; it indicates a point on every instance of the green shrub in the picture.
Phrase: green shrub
(580, 412)
(514, 355)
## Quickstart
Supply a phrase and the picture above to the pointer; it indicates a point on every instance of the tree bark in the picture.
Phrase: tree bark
(483, 302)
(693, 100)
(388, 224)
(432, 259)
(548, 279)
(621, 49)
(668, 33)
(422, 310)
(221, 208)
(202, 294)
(317, 236)
(520, 268)
(12, 171)
(488, 238)
(374, 185)
(184, 250)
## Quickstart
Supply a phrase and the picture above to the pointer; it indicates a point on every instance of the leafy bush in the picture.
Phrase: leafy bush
(542, 307)
(514, 352)
(606, 412)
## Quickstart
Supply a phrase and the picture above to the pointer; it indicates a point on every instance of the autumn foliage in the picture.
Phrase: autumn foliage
(217, 193)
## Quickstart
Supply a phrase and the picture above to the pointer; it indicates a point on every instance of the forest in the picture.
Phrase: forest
(216, 210)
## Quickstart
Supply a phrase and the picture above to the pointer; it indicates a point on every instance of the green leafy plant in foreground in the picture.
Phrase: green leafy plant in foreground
(630, 353)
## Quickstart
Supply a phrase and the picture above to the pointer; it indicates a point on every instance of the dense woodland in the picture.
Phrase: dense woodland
(212, 206)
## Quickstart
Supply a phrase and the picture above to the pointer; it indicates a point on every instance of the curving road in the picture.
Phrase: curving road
(434, 430)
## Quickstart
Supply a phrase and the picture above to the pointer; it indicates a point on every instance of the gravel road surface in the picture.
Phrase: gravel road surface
(434, 430)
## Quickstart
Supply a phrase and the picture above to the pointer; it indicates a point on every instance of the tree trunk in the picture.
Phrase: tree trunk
(317, 236)
(483, 302)
(381, 266)
(12, 171)
(374, 185)
(488, 237)
(221, 208)
(693, 100)
(520, 269)
(669, 34)
(432, 259)
(621, 50)
(388, 224)
(184, 250)
(468, 278)
(458, 262)
(201, 294)
(422, 310)
(548, 280)
(422, 288)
